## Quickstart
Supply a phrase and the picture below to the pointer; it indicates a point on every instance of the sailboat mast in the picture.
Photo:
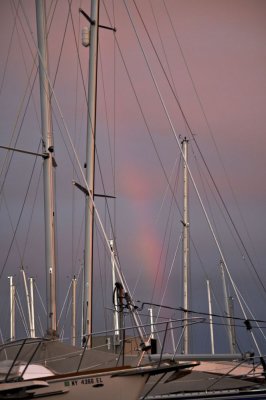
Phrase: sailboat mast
(28, 300)
(32, 307)
(48, 165)
(227, 310)
(185, 247)
(90, 170)
(73, 323)
(12, 290)
(210, 316)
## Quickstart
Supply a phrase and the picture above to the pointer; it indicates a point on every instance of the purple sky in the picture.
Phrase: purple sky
(223, 43)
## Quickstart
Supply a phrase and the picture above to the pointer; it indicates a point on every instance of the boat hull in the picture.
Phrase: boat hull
(98, 386)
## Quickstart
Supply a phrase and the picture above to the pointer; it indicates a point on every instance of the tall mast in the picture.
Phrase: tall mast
(73, 323)
(185, 246)
(210, 316)
(28, 300)
(90, 170)
(48, 165)
(232, 323)
(32, 308)
(227, 310)
(12, 292)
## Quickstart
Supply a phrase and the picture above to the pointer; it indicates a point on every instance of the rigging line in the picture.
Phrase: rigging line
(40, 297)
(204, 161)
(104, 191)
(66, 319)
(170, 272)
(167, 186)
(62, 44)
(9, 50)
(66, 304)
(40, 326)
(202, 180)
(33, 207)
(164, 239)
(137, 282)
(190, 311)
(235, 325)
(21, 312)
(142, 315)
(23, 30)
(213, 295)
(160, 257)
(163, 48)
(19, 218)
(6, 161)
(101, 281)
(190, 174)
(107, 252)
(172, 221)
(79, 297)
(76, 259)
(3, 343)
(106, 114)
(12, 227)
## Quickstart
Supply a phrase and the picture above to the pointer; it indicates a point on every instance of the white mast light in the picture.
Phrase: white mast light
(85, 36)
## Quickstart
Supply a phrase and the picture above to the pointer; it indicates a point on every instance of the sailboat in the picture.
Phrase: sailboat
(110, 382)
(23, 374)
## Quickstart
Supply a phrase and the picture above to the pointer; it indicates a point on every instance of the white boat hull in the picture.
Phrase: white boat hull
(93, 387)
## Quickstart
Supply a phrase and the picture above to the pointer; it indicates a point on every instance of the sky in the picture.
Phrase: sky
(213, 53)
